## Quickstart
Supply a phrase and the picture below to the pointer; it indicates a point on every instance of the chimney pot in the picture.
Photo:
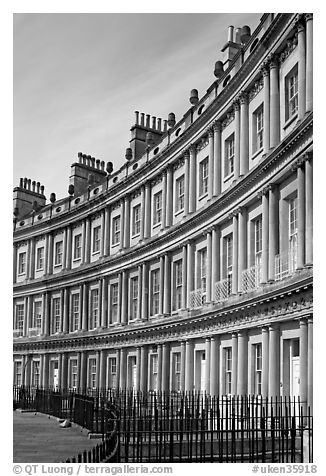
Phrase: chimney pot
(245, 34)
(98, 163)
(38, 187)
(137, 117)
(193, 96)
(29, 184)
(171, 119)
(21, 182)
(102, 165)
(153, 122)
(238, 35)
(25, 182)
(148, 118)
(142, 119)
(42, 190)
(159, 124)
(33, 185)
(165, 122)
(230, 33)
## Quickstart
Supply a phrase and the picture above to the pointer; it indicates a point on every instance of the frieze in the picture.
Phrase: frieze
(228, 119)
(291, 44)
(178, 164)
(135, 194)
(203, 143)
(257, 87)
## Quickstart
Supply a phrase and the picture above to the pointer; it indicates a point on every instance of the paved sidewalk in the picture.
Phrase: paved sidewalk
(39, 439)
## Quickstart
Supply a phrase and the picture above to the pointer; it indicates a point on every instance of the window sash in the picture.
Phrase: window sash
(116, 230)
(58, 252)
(258, 236)
(157, 216)
(229, 156)
(94, 317)
(22, 263)
(203, 173)
(75, 311)
(136, 220)
(180, 192)
(37, 321)
(96, 239)
(40, 258)
(77, 246)
(293, 94)
(19, 321)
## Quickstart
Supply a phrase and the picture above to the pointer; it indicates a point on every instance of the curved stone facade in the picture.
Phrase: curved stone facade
(190, 268)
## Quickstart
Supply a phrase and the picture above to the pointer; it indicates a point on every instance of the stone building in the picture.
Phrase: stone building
(189, 268)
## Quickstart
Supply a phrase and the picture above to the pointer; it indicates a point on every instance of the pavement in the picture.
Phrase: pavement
(38, 438)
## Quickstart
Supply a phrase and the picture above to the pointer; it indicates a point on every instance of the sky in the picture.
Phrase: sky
(78, 78)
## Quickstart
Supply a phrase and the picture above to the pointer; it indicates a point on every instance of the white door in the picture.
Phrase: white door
(134, 375)
(295, 391)
(203, 373)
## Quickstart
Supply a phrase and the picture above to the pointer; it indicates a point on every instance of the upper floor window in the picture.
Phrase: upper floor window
(22, 263)
(114, 293)
(178, 284)
(116, 230)
(40, 258)
(228, 370)
(94, 315)
(203, 177)
(155, 286)
(258, 129)
(293, 234)
(58, 252)
(229, 156)
(75, 311)
(77, 246)
(37, 318)
(134, 297)
(157, 212)
(291, 93)
(56, 321)
(136, 220)
(202, 263)
(96, 239)
(180, 193)
(19, 317)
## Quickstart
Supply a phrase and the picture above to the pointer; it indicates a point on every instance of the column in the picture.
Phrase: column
(234, 363)
(29, 313)
(142, 211)
(209, 267)
(102, 246)
(164, 196)
(162, 285)
(28, 364)
(122, 224)
(65, 327)
(64, 370)
(69, 247)
(83, 371)
(167, 284)
(102, 371)
(309, 61)
(47, 313)
(143, 368)
(303, 362)
(45, 375)
(266, 137)
(169, 196)
(207, 364)
(272, 230)
(106, 239)
(85, 307)
(274, 102)
(184, 276)
(301, 67)
(189, 370)
(49, 251)
(123, 368)
(32, 258)
(187, 187)
(78, 369)
(183, 366)
(159, 367)
(126, 236)
(265, 236)
(301, 214)
(104, 304)
(242, 245)
(310, 363)
(139, 310)
(210, 163)
(215, 258)
(165, 366)
(215, 366)
(217, 127)
(236, 139)
(244, 131)
(138, 363)
(242, 382)
(192, 179)
(235, 254)
(265, 360)
(144, 299)
(147, 217)
(309, 208)
(124, 298)
(274, 361)
(87, 240)
(190, 270)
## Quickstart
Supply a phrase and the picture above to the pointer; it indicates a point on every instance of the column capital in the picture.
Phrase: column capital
(274, 326)
(270, 187)
(210, 132)
(243, 97)
(185, 153)
(192, 148)
(298, 163)
(236, 104)
(242, 333)
(300, 23)
(265, 68)
(148, 184)
(308, 16)
(303, 321)
(273, 60)
(307, 155)
(217, 126)
(264, 330)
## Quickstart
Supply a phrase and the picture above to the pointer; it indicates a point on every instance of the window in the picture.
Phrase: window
(116, 230)
(258, 248)
(92, 373)
(114, 301)
(177, 371)
(73, 373)
(228, 243)
(157, 212)
(258, 129)
(94, 314)
(291, 94)
(154, 366)
(229, 156)
(228, 370)
(77, 246)
(293, 232)
(58, 251)
(18, 373)
(136, 220)
(178, 284)
(22, 263)
(258, 368)
(202, 261)
(155, 285)
(40, 258)
(203, 177)
(180, 193)
(36, 373)
(56, 321)
(19, 318)
(134, 298)
(112, 372)
(37, 321)
(96, 239)
(75, 312)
